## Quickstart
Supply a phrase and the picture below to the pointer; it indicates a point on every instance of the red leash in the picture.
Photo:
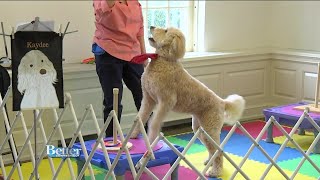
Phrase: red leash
(140, 59)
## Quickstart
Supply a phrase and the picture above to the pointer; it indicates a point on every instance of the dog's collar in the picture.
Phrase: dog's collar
(140, 59)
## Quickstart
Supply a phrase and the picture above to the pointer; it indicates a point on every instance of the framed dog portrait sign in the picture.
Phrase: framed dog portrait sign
(37, 76)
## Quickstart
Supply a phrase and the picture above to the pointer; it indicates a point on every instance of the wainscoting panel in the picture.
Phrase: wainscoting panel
(309, 81)
(293, 79)
(285, 83)
(212, 81)
(81, 99)
(248, 82)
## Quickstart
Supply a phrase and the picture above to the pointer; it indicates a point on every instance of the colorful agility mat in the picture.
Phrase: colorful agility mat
(255, 127)
(238, 145)
(236, 148)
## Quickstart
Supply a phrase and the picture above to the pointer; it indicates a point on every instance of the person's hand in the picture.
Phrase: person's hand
(110, 3)
(145, 63)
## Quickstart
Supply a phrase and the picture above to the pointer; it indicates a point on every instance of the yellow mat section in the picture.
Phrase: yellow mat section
(197, 160)
(252, 173)
(304, 141)
(45, 170)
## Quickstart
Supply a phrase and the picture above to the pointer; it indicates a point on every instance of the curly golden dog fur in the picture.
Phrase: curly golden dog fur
(167, 86)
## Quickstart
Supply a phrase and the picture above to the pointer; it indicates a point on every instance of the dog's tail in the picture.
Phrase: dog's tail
(234, 107)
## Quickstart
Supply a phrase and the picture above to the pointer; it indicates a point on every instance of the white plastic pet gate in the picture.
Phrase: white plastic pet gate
(138, 168)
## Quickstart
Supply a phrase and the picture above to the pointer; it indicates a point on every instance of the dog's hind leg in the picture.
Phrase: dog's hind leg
(156, 120)
(217, 165)
(195, 127)
(213, 128)
(201, 137)
(146, 108)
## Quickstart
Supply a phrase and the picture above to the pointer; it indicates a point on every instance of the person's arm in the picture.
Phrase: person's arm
(142, 44)
(140, 37)
(143, 48)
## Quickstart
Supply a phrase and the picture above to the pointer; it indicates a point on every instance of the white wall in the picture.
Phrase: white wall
(234, 25)
(77, 46)
(229, 25)
(296, 25)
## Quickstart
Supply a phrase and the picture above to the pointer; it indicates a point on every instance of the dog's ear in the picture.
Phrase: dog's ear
(22, 77)
(53, 72)
(177, 47)
(53, 75)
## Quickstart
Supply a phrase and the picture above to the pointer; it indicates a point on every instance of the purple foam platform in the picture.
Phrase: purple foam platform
(138, 146)
(287, 115)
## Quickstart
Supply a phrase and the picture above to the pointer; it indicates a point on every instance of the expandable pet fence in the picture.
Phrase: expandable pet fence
(137, 167)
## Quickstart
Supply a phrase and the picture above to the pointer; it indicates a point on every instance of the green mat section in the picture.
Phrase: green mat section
(195, 148)
(306, 169)
(100, 173)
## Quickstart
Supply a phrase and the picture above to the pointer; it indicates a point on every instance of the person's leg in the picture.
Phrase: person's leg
(132, 78)
(109, 70)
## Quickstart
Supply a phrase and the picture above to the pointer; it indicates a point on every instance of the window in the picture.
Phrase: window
(168, 13)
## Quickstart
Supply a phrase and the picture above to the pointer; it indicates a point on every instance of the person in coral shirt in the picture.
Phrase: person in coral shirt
(119, 36)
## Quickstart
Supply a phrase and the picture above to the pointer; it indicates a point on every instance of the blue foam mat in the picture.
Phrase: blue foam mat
(239, 145)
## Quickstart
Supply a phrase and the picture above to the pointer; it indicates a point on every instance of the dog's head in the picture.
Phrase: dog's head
(169, 43)
(33, 68)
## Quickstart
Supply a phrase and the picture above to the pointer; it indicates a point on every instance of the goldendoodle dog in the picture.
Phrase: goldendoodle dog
(36, 76)
(168, 86)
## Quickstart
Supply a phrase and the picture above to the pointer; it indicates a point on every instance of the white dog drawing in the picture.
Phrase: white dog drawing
(36, 76)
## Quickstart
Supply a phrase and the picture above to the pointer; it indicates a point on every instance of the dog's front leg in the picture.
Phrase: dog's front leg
(146, 108)
(155, 122)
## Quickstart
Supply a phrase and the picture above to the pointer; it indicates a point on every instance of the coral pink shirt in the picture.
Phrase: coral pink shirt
(118, 28)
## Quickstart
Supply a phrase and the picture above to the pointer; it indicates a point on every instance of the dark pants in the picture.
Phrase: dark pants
(111, 72)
